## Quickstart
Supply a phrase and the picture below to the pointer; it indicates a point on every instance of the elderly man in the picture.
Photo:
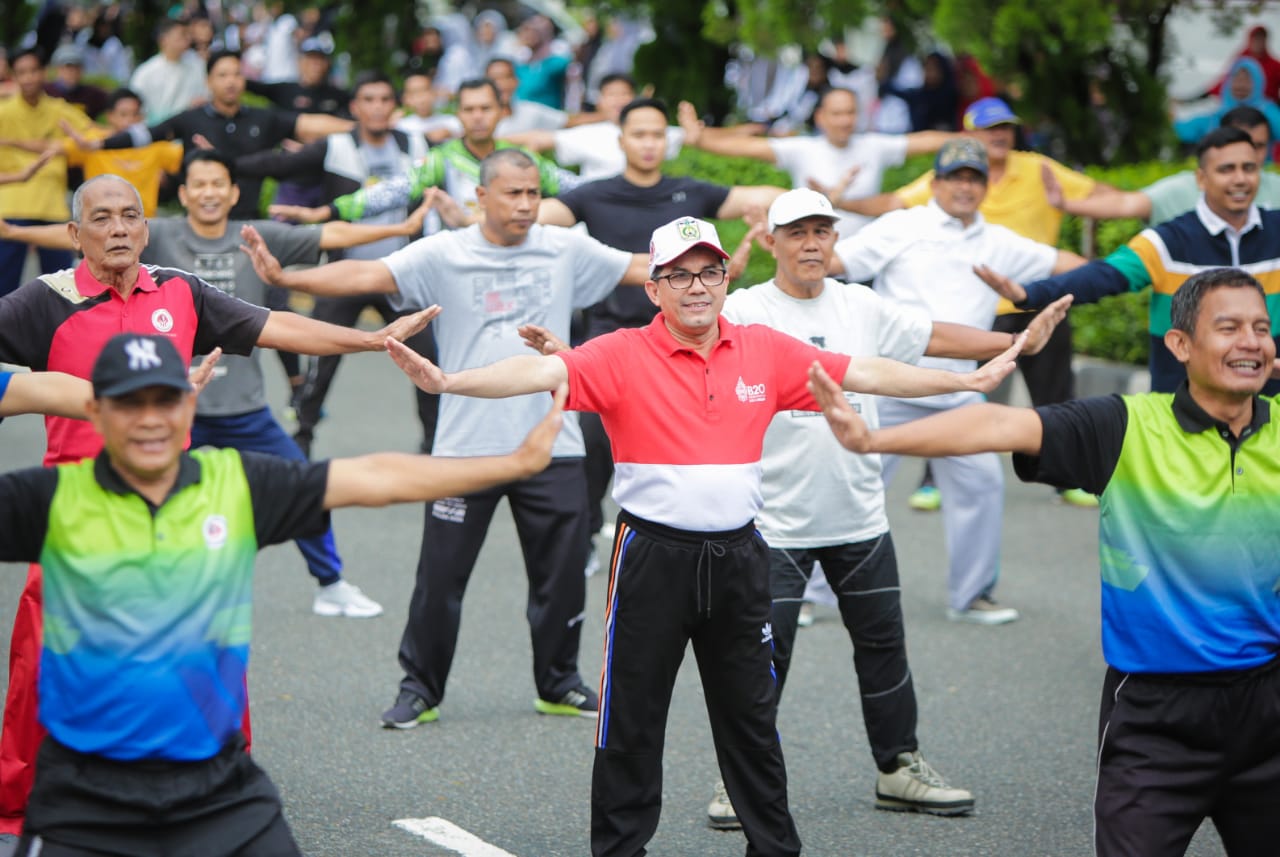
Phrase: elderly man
(924, 257)
(821, 504)
(491, 278)
(60, 322)
(143, 681)
(687, 401)
(1190, 727)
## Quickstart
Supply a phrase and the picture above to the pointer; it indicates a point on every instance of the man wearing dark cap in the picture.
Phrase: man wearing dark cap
(148, 552)
(924, 257)
(1016, 199)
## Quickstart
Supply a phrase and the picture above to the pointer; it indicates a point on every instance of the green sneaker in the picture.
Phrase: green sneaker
(409, 710)
(926, 498)
(580, 701)
(1079, 498)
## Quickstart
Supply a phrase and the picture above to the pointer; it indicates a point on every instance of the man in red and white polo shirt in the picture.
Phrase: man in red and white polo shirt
(686, 402)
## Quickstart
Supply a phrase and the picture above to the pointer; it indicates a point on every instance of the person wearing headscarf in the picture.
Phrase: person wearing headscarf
(1245, 83)
(1255, 48)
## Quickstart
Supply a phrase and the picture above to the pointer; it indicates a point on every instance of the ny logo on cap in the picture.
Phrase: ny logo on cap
(688, 229)
(142, 354)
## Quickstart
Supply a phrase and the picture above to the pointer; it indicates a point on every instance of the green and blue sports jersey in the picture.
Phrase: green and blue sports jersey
(1189, 546)
(147, 618)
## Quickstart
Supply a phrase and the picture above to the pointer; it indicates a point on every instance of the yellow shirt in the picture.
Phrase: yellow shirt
(44, 196)
(1017, 201)
(141, 166)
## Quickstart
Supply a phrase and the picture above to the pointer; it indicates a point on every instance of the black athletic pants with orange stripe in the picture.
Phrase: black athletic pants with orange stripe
(667, 588)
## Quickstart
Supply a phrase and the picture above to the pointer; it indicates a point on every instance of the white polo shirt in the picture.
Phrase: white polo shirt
(923, 257)
(816, 492)
(687, 431)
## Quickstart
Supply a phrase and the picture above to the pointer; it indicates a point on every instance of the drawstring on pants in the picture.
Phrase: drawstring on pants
(710, 550)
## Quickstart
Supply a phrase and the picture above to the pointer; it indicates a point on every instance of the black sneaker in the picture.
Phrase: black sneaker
(580, 701)
(409, 710)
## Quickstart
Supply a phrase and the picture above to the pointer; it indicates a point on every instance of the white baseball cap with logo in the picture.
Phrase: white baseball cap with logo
(797, 205)
(672, 240)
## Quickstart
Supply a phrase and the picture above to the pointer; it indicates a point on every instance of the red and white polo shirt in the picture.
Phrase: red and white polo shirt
(687, 432)
(59, 322)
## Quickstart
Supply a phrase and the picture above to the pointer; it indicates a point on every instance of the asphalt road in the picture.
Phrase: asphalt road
(1009, 712)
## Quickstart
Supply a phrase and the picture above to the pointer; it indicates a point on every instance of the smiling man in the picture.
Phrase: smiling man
(149, 553)
(1188, 539)
(686, 401)
(1226, 228)
(233, 410)
(923, 257)
(490, 278)
(60, 321)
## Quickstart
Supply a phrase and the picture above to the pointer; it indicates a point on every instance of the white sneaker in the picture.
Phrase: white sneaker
(983, 611)
(593, 562)
(917, 787)
(343, 599)
(720, 812)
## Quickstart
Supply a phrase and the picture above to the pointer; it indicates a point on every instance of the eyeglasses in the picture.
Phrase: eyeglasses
(682, 280)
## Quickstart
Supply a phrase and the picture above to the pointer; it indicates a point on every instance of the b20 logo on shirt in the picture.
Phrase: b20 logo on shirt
(749, 392)
(215, 531)
(161, 320)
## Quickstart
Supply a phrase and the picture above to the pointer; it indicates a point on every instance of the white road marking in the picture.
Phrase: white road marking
(449, 835)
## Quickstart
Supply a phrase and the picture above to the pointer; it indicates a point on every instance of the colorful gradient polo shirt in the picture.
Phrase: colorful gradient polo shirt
(688, 432)
(1189, 530)
(147, 610)
(60, 321)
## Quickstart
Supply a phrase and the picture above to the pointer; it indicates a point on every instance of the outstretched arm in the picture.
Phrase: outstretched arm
(383, 478)
(315, 126)
(871, 206)
(960, 431)
(337, 234)
(54, 393)
(535, 141)
(720, 141)
(514, 376)
(884, 377)
(289, 331)
(744, 198)
(25, 174)
(553, 212)
(55, 236)
(61, 395)
(1104, 203)
(344, 277)
(920, 142)
(972, 343)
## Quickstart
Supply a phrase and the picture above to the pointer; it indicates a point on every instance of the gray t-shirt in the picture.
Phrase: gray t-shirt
(237, 386)
(486, 291)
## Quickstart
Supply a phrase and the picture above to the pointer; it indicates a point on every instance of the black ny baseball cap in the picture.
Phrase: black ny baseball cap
(131, 361)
